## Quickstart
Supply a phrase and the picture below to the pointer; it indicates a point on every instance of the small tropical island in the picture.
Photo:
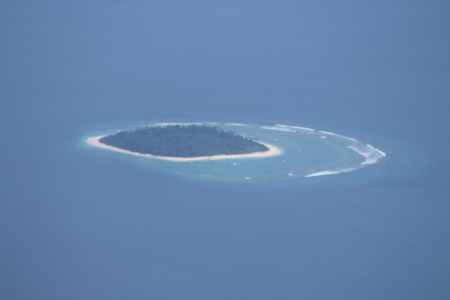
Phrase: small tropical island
(184, 143)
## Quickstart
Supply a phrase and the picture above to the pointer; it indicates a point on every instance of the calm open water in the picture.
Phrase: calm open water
(78, 223)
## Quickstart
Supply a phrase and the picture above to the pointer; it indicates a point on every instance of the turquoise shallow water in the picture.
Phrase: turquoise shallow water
(305, 152)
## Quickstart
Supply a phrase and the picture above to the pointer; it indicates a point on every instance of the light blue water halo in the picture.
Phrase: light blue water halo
(305, 153)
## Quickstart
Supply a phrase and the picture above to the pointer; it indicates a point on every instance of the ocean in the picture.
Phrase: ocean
(78, 222)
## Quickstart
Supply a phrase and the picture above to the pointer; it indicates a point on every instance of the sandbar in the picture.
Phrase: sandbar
(273, 151)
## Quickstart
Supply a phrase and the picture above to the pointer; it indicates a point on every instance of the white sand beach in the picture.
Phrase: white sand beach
(273, 151)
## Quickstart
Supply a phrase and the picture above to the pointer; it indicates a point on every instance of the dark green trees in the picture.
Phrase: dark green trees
(183, 141)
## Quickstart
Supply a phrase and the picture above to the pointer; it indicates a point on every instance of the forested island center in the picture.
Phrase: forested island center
(185, 142)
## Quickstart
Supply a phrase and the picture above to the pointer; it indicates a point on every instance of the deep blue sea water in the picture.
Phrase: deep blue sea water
(82, 223)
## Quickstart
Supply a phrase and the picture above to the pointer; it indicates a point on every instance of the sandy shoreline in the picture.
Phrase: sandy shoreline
(273, 151)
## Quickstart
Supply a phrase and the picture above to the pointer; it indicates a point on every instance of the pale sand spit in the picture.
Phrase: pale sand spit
(273, 151)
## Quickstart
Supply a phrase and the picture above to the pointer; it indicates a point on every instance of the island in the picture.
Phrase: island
(184, 143)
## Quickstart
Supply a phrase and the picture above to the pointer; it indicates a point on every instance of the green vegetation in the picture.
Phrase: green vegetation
(183, 141)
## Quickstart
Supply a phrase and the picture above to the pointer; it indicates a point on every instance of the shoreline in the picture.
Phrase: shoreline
(273, 151)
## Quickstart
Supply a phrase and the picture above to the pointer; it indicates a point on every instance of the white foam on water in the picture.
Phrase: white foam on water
(295, 127)
(173, 124)
(321, 173)
(378, 150)
(235, 124)
(381, 152)
(291, 174)
(339, 135)
(371, 155)
(331, 133)
(329, 172)
(247, 178)
(323, 137)
(327, 132)
(351, 139)
(278, 128)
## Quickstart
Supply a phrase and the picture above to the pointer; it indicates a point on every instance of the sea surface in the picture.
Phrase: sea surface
(79, 222)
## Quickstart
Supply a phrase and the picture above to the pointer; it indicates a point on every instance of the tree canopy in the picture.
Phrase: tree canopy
(183, 141)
